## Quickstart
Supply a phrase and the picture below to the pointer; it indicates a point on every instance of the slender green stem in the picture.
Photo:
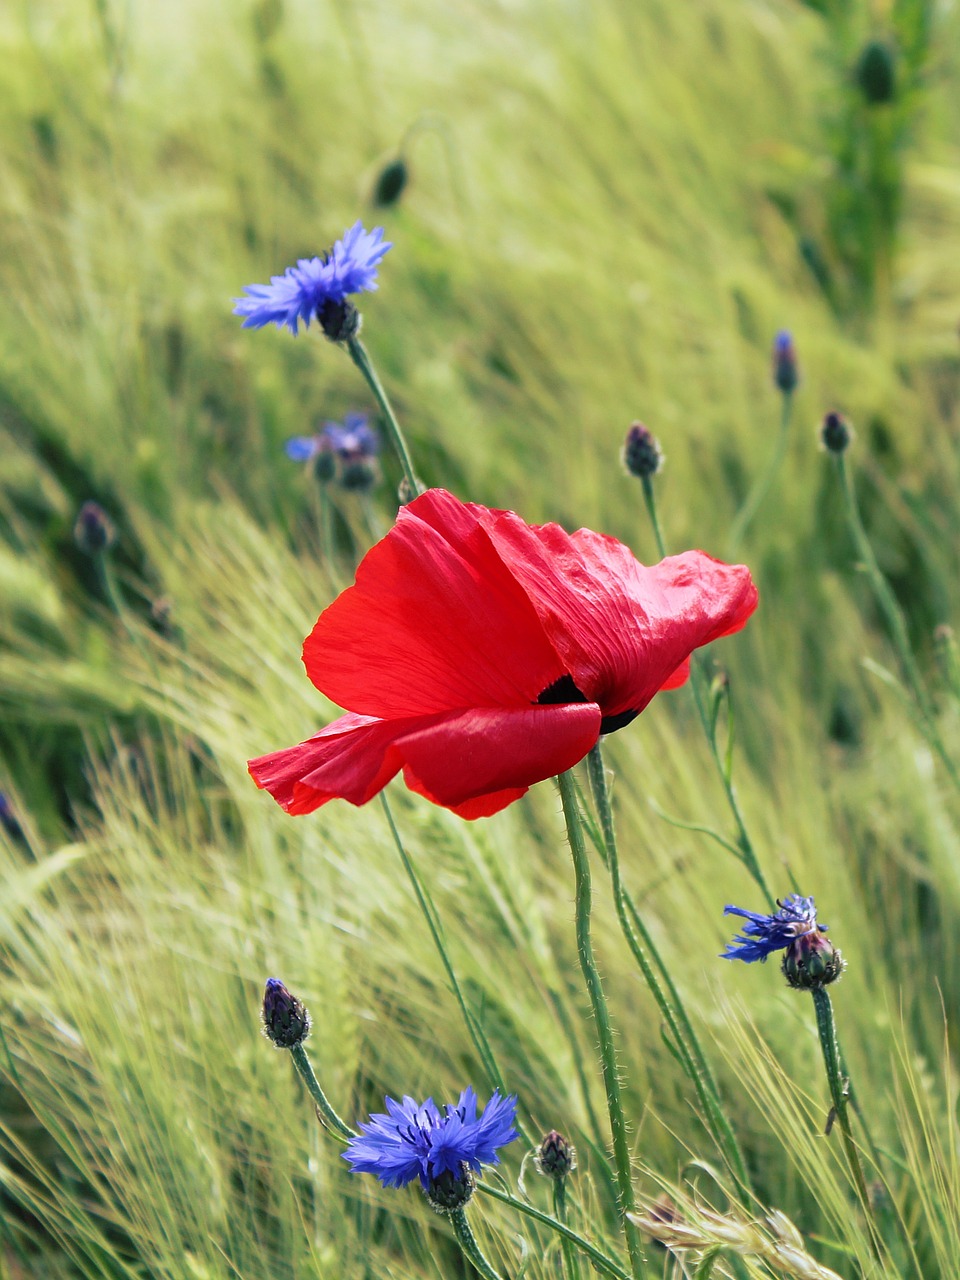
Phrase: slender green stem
(480, 1042)
(763, 485)
(608, 1054)
(896, 623)
(747, 853)
(571, 1263)
(359, 356)
(692, 1058)
(468, 1243)
(325, 1111)
(599, 1260)
(839, 1096)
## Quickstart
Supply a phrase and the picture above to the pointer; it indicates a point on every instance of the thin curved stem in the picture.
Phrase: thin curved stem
(468, 1244)
(361, 358)
(692, 1058)
(755, 497)
(571, 1263)
(599, 1260)
(896, 623)
(601, 1014)
(325, 1111)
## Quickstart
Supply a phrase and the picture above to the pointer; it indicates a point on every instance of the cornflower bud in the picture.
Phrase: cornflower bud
(339, 319)
(811, 961)
(642, 455)
(785, 373)
(448, 1192)
(835, 432)
(285, 1020)
(876, 73)
(556, 1157)
(94, 531)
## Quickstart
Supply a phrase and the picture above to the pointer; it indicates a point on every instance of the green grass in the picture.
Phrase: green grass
(607, 223)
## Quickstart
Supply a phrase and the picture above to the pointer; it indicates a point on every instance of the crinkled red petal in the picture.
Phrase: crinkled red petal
(475, 762)
(435, 622)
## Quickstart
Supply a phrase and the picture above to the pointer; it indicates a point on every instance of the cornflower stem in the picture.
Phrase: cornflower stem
(893, 616)
(325, 1111)
(480, 1042)
(598, 1260)
(747, 854)
(360, 357)
(571, 1263)
(468, 1244)
(755, 497)
(598, 1002)
(839, 1096)
(665, 993)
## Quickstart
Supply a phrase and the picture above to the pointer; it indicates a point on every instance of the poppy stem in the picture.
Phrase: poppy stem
(599, 1261)
(359, 356)
(840, 1097)
(692, 1058)
(571, 1263)
(761, 488)
(747, 853)
(325, 1112)
(468, 1244)
(896, 623)
(601, 1014)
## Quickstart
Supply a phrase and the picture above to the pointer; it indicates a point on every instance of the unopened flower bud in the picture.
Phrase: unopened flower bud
(324, 464)
(784, 362)
(94, 531)
(286, 1022)
(357, 476)
(391, 182)
(876, 72)
(451, 1191)
(339, 320)
(641, 452)
(835, 433)
(811, 961)
(556, 1157)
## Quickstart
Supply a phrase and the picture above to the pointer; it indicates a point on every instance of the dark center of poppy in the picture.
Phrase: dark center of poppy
(565, 690)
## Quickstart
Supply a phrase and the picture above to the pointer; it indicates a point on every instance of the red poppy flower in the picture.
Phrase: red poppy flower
(480, 654)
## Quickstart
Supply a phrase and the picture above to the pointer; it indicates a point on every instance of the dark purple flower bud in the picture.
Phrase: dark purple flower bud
(450, 1191)
(391, 183)
(835, 433)
(94, 531)
(784, 362)
(555, 1157)
(286, 1022)
(811, 961)
(876, 73)
(339, 319)
(641, 452)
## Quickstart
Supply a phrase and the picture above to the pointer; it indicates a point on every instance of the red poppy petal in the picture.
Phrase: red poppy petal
(622, 629)
(678, 678)
(481, 760)
(435, 622)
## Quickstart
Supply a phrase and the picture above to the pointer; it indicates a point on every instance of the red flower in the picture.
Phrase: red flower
(480, 654)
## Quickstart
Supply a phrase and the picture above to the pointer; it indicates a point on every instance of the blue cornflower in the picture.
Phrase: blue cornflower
(785, 373)
(796, 917)
(352, 439)
(415, 1141)
(318, 287)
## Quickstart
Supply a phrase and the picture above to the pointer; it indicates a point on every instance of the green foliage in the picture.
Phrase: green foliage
(614, 208)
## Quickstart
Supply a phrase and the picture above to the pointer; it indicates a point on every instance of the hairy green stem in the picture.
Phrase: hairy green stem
(468, 1243)
(571, 1263)
(747, 853)
(692, 1058)
(360, 357)
(763, 485)
(839, 1096)
(598, 1002)
(325, 1111)
(896, 623)
(599, 1260)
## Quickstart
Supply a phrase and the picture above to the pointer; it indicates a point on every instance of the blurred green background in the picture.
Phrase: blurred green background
(611, 208)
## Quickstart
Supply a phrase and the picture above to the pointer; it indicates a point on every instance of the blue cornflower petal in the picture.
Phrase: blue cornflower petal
(412, 1141)
(765, 933)
(783, 342)
(350, 267)
(354, 439)
(302, 448)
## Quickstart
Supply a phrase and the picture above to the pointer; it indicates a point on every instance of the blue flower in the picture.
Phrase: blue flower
(304, 290)
(350, 440)
(415, 1141)
(796, 917)
(785, 373)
